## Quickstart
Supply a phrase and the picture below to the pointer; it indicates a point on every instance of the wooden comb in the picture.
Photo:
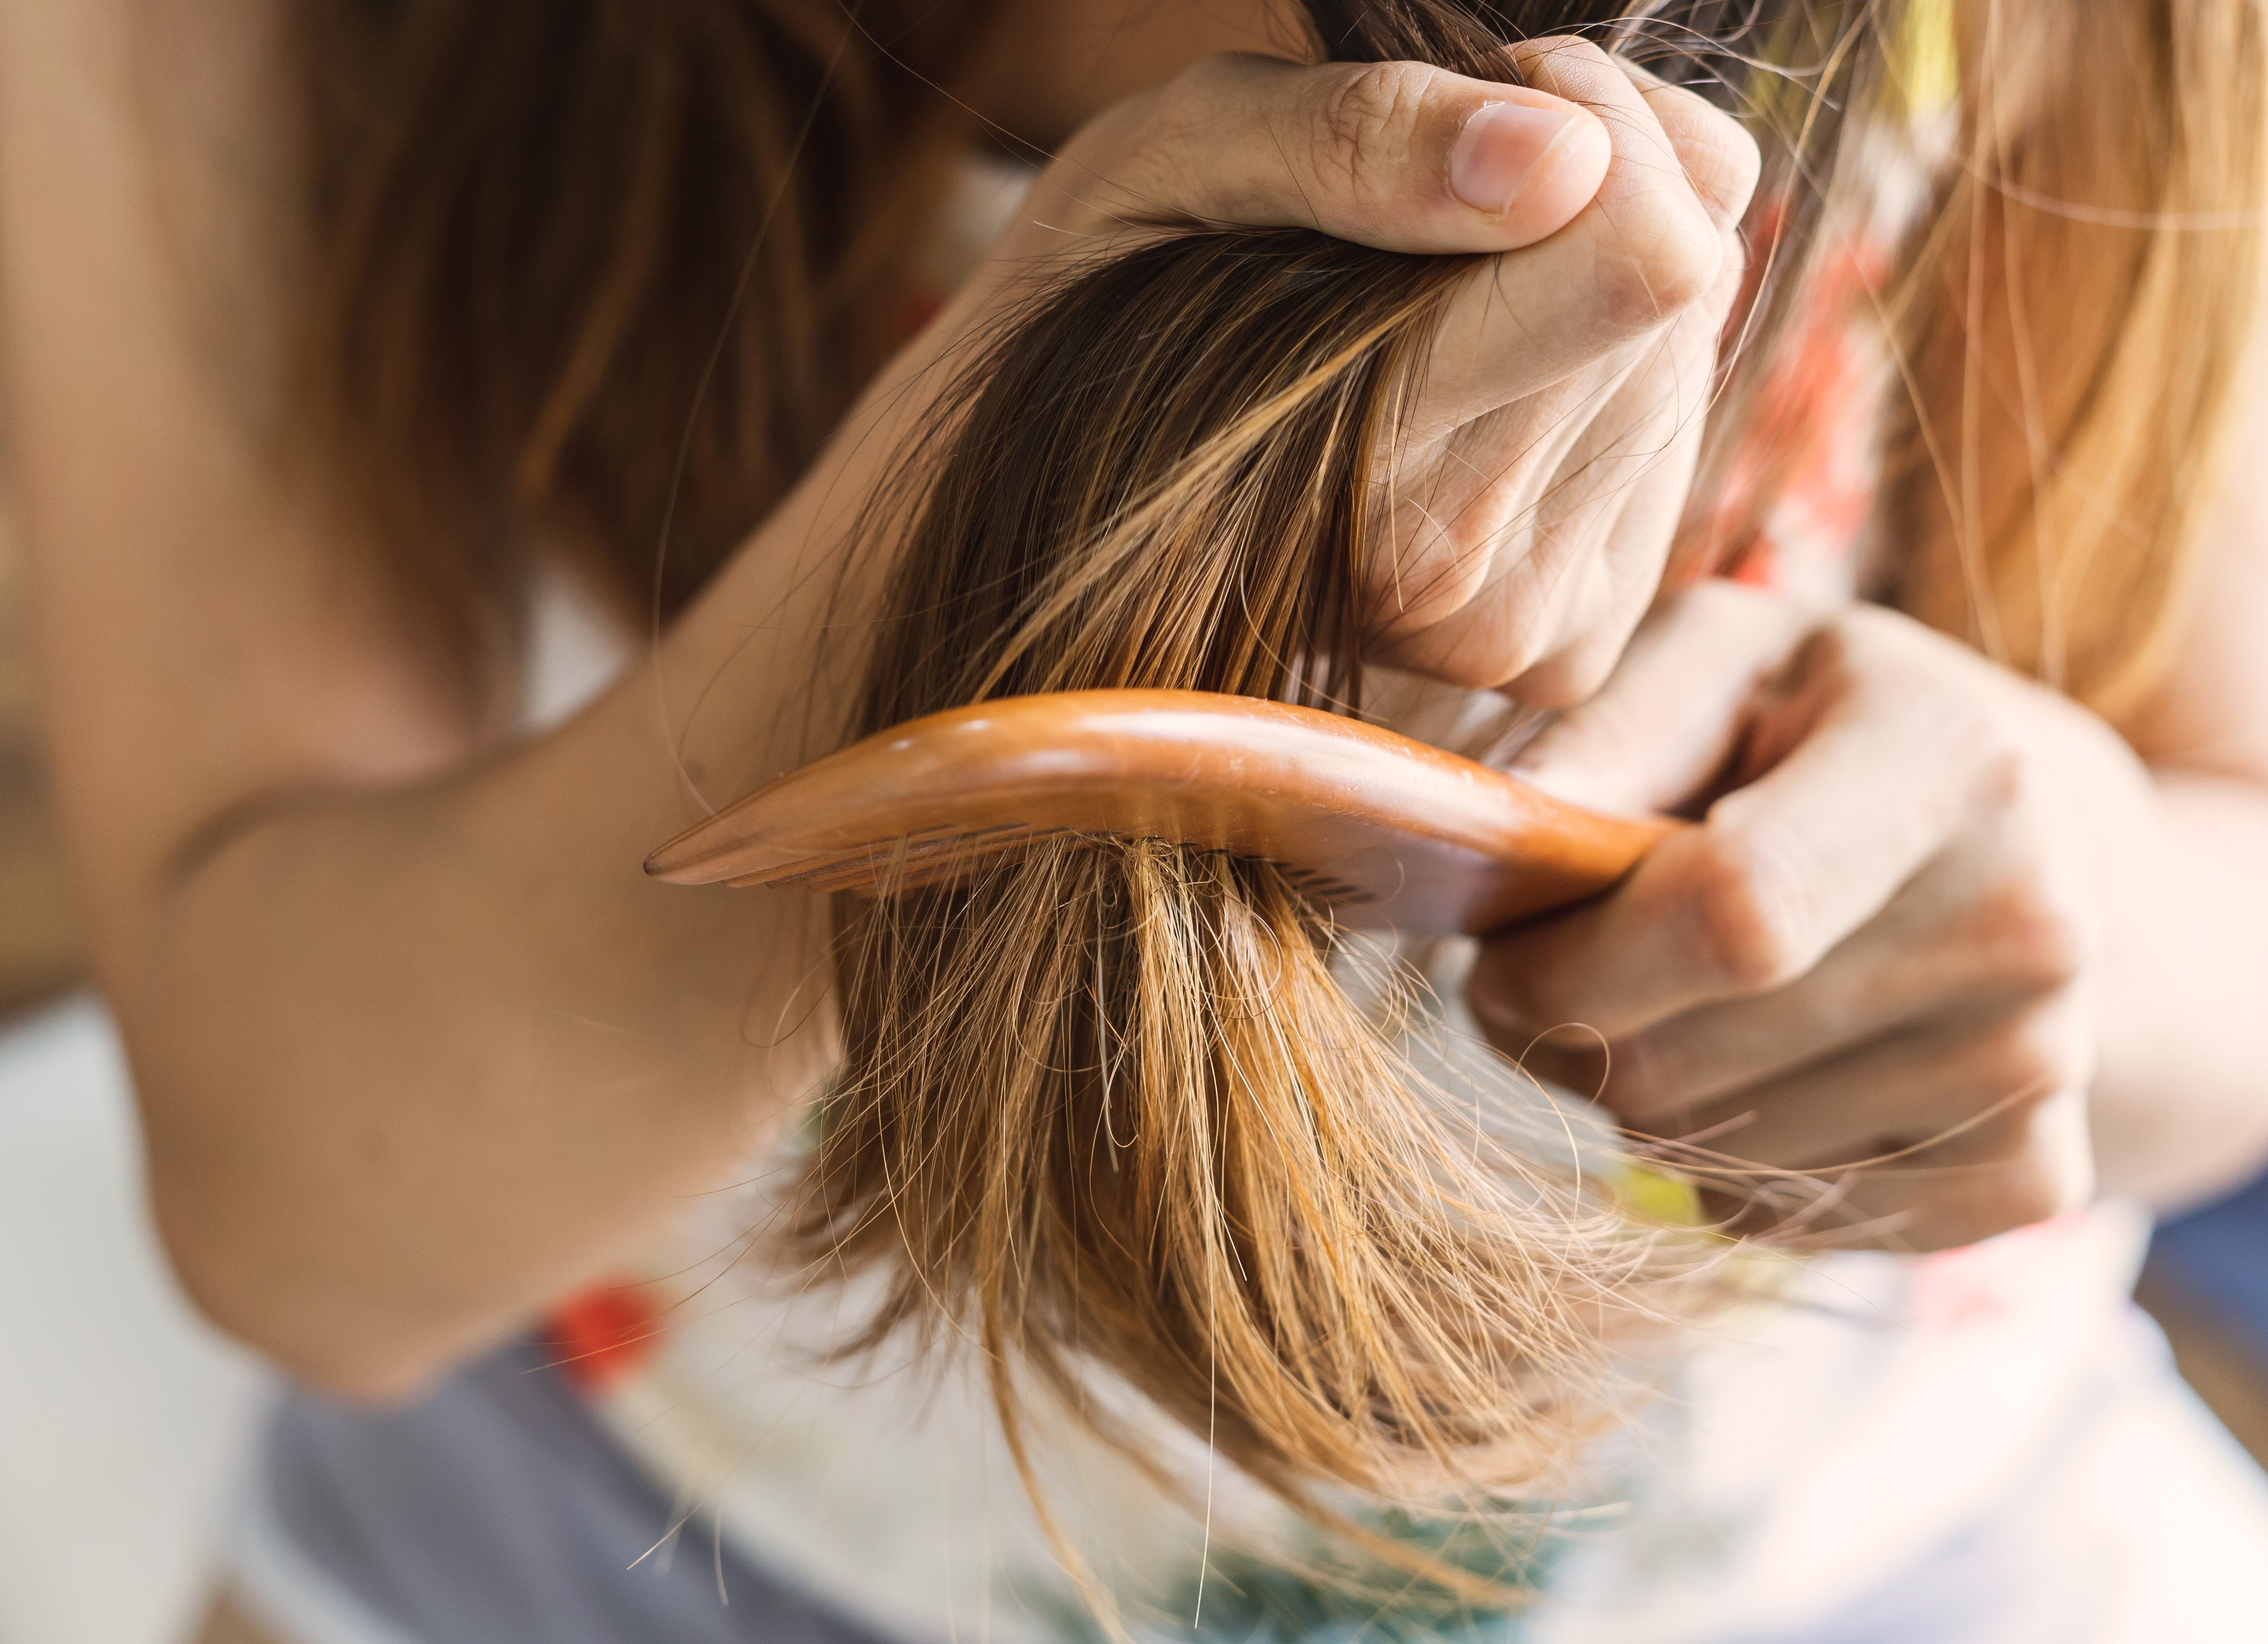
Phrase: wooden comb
(1385, 831)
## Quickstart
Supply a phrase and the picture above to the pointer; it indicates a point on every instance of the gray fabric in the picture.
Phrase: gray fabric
(497, 1511)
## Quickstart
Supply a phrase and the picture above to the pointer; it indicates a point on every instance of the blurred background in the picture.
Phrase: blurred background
(120, 1414)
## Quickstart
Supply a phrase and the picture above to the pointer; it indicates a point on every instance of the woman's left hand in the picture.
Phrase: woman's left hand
(1874, 959)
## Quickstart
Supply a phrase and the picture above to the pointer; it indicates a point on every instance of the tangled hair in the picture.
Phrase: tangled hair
(1115, 1103)
(1124, 1104)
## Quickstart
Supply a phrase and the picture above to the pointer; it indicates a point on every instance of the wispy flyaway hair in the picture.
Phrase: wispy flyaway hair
(1113, 1103)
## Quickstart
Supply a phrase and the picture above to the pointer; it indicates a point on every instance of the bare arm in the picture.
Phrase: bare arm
(416, 1043)
(2182, 1101)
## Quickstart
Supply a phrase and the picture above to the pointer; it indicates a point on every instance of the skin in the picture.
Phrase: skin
(418, 1046)
(1944, 917)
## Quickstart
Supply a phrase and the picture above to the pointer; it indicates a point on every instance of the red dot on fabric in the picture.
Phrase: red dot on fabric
(605, 1334)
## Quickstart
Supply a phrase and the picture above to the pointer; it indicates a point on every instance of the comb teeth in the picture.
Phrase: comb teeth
(939, 855)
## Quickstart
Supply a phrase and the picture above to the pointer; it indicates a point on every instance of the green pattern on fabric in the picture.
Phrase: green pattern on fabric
(1343, 1598)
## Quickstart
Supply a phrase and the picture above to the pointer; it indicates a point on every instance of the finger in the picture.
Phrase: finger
(1499, 549)
(2016, 1169)
(1717, 156)
(1974, 934)
(1540, 618)
(1644, 251)
(1467, 612)
(1666, 724)
(1921, 1142)
(1400, 156)
(1891, 759)
(2008, 1169)
(1899, 1094)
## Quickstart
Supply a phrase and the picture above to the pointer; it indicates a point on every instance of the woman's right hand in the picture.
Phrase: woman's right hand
(1548, 460)
(1547, 463)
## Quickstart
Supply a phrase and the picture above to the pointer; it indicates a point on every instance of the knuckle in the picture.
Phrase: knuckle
(1505, 993)
(1575, 676)
(1982, 1200)
(1362, 123)
(1722, 156)
(1517, 1002)
(1548, 55)
(1162, 144)
(2020, 1169)
(1650, 276)
(1742, 931)
(2035, 1057)
(1641, 1077)
(2034, 933)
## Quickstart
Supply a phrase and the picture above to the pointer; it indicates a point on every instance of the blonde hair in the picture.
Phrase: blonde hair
(1112, 1104)
(2072, 318)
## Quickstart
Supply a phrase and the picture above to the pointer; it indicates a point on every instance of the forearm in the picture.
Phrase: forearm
(413, 1063)
(416, 1043)
(2181, 1100)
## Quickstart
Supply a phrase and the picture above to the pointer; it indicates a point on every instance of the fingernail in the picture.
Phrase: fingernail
(1500, 149)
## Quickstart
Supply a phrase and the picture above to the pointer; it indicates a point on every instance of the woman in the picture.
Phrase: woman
(421, 1051)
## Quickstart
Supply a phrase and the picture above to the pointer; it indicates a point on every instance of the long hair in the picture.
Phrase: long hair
(1124, 1104)
(1119, 1103)
(587, 273)
(530, 222)
(2071, 315)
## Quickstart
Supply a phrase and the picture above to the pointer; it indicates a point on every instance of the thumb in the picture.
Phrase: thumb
(1402, 156)
(1666, 724)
